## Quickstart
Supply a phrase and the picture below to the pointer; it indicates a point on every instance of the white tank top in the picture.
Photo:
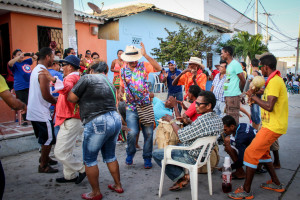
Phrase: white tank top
(38, 107)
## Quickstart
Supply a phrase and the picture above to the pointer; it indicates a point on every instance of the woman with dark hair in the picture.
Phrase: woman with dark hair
(244, 66)
(21, 69)
(116, 65)
(102, 124)
(95, 56)
(69, 51)
(87, 60)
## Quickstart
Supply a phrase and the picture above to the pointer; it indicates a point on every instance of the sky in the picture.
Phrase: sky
(285, 19)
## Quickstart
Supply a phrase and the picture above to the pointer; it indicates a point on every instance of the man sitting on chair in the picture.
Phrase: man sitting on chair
(208, 124)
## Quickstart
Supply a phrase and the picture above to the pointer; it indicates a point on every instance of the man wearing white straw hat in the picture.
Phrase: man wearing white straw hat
(139, 108)
(193, 75)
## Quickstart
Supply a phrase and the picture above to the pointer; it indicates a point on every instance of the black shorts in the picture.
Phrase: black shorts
(44, 131)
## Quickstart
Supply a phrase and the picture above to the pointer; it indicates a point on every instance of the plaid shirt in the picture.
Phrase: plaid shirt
(208, 124)
(218, 87)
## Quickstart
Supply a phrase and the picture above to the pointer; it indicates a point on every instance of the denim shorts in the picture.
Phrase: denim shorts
(255, 113)
(101, 134)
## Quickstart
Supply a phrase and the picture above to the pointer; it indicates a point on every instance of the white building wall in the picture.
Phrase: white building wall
(218, 9)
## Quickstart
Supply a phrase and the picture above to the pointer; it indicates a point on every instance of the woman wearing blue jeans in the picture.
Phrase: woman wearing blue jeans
(102, 124)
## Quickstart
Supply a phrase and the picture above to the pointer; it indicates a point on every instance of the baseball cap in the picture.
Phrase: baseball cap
(72, 60)
(172, 62)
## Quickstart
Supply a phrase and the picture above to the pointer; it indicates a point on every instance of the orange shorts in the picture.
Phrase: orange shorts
(259, 149)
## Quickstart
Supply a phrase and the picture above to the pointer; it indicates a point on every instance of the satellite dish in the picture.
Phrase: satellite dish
(94, 7)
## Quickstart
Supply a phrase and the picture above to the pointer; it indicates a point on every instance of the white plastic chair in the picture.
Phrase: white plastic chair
(158, 84)
(193, 169)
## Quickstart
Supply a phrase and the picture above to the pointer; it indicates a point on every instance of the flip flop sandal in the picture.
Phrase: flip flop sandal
(179, 186)
(86, 196)
(112, 187)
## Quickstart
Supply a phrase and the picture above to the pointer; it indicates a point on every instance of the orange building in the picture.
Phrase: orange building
(30, 25)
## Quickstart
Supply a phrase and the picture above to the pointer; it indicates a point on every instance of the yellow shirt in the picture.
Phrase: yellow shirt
(3, 85)
(277, 120)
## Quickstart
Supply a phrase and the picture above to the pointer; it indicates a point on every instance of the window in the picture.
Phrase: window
(48, 34)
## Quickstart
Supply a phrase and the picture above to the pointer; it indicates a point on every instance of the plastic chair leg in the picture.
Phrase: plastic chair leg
(162, 175)
(194, 183)
(209, 176)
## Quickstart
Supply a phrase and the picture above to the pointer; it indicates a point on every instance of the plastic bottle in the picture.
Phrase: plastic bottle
(226, 176)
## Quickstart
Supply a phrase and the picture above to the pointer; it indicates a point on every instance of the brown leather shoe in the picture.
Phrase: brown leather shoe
(47, 169)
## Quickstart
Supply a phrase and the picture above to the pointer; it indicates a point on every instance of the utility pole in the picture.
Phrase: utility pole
(256, 17)
(267, 18)
(297, 58)
(68, 24)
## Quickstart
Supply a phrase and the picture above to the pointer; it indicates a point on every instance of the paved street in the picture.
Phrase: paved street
(23, 181)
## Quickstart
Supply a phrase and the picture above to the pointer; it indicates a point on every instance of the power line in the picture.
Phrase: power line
(243, 13)
(277, 37)
(279, 31)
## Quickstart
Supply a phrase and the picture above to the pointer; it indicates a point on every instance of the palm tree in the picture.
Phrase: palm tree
(245, 45)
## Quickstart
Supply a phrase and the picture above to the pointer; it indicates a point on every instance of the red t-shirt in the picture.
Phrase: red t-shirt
(214, 73)
(191, 112)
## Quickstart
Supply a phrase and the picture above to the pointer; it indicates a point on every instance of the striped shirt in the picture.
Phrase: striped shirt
(218, 87)
(208, 124)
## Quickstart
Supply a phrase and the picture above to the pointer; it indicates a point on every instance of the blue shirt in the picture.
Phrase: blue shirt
(60, 77)
(244, 135)
(22, 72)
(173, 89)
(159, 109)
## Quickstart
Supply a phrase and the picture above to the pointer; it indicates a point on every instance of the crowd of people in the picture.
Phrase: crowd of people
(67, 97)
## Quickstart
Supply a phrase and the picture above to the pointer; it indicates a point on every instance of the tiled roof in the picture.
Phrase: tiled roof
(46, 5)
(142, 7)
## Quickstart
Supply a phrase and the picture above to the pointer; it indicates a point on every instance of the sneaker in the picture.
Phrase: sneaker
(240, 193)
(272, 186)
(25, 124)
(129, 160)
(80, 177)
(63, 180)
(147, 163)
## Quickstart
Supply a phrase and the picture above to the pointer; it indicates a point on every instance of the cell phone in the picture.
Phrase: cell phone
(28, 54)
(80, 56)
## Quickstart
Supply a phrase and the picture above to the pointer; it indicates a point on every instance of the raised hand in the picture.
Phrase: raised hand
(143, 50)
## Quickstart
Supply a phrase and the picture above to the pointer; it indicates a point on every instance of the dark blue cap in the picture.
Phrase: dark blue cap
(72, 60)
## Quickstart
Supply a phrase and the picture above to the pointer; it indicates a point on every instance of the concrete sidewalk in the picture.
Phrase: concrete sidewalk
(23, 181)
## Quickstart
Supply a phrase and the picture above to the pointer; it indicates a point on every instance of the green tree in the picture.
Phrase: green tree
(182, 44)
(245, 45)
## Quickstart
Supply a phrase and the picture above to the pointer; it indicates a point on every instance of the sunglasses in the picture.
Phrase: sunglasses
(88, 53)
(64, 64)
(198, 104)
(95, 57)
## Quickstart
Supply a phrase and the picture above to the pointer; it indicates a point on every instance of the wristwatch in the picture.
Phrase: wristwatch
(55, 80)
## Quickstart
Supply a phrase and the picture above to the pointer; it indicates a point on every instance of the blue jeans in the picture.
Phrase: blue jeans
(179, 97)
(255, 113)
(132, 120)
(101, 134)
(219, 108)
(172, 171)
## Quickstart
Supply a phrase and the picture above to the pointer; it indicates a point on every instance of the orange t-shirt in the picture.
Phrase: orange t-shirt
(147, 65)
(187, 80)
